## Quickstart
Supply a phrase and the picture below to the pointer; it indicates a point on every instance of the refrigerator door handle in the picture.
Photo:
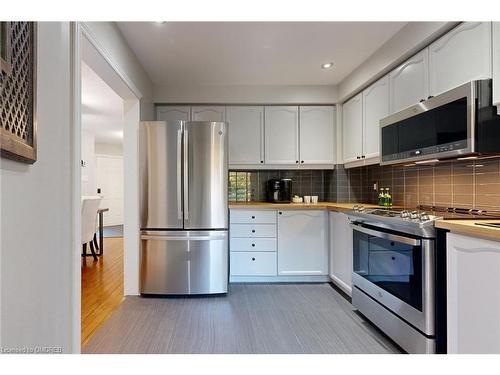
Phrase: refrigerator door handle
(186, 174)
(177, 238)
(179, 173)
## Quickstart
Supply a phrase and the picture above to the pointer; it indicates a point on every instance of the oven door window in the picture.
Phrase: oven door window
(393, 266)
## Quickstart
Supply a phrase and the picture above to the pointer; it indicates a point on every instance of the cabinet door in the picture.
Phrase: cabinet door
(317, 139)
(375, 108)
(496, 65)
(473, 295)
(352, 128)
(409, 83)
(302, 242)
(282, 135)
(460, 56)
(173, 113)
(246, 134)
(211, 113)
(341, 251)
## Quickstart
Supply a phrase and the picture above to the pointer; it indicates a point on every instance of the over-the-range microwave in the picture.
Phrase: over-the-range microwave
(459, 123)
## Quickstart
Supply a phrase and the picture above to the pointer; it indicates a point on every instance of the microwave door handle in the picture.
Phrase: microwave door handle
(386, 236)
(179, 173)
(186, 175)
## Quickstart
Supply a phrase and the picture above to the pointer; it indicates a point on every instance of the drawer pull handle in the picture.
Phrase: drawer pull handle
(253, 245)
(253, 259)
(253, 230)
(393, 258)
(253, 217)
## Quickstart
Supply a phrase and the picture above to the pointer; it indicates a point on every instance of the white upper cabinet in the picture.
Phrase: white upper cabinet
(173, 113)
(352, 128)
(281, 135)
(496, 65)
(375, 108)
(460, 56)
(409, 83)
(302, 242)
(317, 135)
(246, 134)
(209, 113)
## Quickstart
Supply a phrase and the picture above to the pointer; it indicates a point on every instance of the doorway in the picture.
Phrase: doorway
(97, 295)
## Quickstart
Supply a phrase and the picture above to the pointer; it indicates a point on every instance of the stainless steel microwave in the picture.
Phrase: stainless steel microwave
(458, 123)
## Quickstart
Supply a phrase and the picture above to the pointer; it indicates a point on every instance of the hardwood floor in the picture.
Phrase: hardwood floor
(102, 286)
(252, 318)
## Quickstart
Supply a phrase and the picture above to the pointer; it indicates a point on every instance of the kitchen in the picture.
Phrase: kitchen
(285, 201)
(418, 141)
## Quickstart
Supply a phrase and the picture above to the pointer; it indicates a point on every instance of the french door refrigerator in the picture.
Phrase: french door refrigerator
(184, 212)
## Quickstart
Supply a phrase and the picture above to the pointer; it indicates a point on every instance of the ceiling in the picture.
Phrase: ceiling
(102, 108)
(253, 53)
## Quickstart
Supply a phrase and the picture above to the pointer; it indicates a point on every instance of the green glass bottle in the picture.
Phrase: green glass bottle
(381, 197)
(388, 198)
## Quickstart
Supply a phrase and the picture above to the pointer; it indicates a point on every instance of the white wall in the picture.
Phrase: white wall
(111, 39)
(36, 239)
(113, 149)
(409, 40)
(89, 174)
(247, 94)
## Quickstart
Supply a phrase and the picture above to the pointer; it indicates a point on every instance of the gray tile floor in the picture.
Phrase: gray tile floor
(252, 318)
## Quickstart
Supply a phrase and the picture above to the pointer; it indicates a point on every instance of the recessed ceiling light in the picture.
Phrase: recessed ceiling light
(326, 65)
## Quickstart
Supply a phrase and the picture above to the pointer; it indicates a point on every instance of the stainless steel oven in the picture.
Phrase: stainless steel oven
(393, 283)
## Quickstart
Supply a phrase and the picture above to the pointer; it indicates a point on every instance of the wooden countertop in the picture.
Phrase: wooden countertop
(469, 228)
(331, 206)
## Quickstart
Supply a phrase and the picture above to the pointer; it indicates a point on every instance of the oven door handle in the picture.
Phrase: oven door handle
(386, 236)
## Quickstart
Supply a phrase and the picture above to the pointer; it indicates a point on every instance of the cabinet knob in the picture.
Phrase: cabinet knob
(253, 230)
(363, 156)
(253, 217)
(281, 213)
(422, 100)
(357, 157)
(253, 259)
(302, 161)
(253, 245)
(296, 161)
(430, 96)
(262, 162)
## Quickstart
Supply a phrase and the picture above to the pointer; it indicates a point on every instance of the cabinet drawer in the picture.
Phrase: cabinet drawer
(253, 244)
(253, 230)
(253, 216)
(251, 263)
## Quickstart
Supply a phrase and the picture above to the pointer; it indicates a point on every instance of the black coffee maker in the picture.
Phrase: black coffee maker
(279, 190)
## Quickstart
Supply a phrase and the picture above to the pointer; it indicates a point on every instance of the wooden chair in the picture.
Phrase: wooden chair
(90, 206)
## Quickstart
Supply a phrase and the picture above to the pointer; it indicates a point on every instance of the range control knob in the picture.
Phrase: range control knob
(361, 208)
(355, 207)
(423, 216)
(404, 214)
(414, 215)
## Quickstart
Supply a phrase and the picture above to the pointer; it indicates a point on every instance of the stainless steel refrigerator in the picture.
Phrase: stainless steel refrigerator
(184, 238)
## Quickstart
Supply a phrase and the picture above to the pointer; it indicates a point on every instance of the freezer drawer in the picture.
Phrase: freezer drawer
(188, 262)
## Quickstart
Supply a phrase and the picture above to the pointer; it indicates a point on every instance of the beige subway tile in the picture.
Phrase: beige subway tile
(488, 189)
(443, 188)
(443, 200)
(488, 200)
(487, 178)
(463, 189)
(463, 179)
(462, 201)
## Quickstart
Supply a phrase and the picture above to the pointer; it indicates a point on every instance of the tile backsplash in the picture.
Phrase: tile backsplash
(465, 184)
(251, 185)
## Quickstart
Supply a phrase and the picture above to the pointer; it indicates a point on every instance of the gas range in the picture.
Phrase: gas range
(419, 221)
(415, 222)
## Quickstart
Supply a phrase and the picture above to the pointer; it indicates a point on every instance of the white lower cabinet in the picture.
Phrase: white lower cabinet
(253, 263)
(473, 294)
(302, 242)
(341, 251)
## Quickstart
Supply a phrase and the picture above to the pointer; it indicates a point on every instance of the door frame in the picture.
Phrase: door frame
(81, 34)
